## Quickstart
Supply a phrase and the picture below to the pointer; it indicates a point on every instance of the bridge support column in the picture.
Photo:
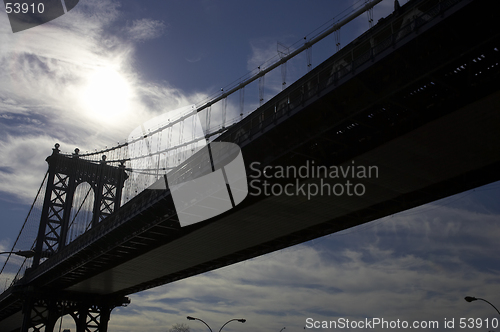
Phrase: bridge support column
(65, 174)
(90, 315)
(40, 315)
(93, 318)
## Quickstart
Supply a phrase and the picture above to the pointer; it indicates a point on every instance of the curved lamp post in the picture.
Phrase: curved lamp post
(241, 320)
(194, 318)
(283, 329)
(22, 253)
(472, 298)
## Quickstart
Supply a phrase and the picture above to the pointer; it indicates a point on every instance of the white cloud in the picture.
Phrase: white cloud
(25, 158)
(145, 29)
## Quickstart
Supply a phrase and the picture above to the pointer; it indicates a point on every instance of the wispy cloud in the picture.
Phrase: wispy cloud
(145, 29)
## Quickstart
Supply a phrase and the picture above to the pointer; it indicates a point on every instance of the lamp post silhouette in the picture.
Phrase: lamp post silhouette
(201, 320)
(22, 253)
(472, 298)
(283, 329)
(241, 320)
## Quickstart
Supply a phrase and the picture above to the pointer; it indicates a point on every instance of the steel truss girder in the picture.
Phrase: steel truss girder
(65, 174)
(41, 312)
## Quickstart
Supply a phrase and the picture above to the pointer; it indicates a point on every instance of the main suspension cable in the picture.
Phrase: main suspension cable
(25, 221)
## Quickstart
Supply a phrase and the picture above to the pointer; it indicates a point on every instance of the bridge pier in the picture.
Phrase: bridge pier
(65, 174)
(42, 308)
(90, 315)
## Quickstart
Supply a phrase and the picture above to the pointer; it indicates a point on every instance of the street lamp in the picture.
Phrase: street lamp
(22, 253)
(282, 329)
(241, 320)
(194, 318)
(472, 298)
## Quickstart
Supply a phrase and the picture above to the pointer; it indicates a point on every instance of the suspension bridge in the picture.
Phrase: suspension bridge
(415, 97)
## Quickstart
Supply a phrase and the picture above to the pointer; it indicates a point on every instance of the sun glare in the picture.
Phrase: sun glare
(107, 94)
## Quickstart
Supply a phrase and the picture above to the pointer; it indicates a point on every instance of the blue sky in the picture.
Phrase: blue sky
(417, 265)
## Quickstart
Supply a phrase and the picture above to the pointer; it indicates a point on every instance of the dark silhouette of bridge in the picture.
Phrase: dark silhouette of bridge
(417, 96)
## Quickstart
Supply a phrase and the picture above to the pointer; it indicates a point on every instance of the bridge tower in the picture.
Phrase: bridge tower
(42, 308)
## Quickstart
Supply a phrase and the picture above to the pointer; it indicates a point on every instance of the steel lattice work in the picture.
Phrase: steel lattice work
(65, 174)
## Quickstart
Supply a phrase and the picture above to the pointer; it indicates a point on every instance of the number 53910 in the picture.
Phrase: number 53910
(16, 8)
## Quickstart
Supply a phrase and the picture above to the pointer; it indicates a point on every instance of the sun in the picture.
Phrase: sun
(106, 94)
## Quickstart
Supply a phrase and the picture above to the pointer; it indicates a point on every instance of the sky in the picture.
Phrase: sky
(60, 82)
